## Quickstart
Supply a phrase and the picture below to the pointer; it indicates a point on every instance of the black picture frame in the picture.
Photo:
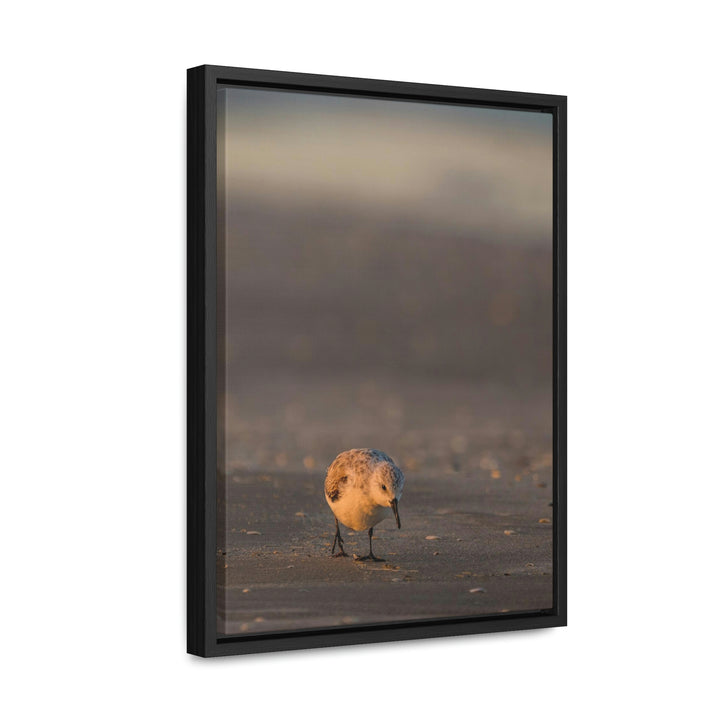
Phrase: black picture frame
(202, 280)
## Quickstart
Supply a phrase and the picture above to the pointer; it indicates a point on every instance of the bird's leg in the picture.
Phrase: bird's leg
(371, 556)
(341, 552)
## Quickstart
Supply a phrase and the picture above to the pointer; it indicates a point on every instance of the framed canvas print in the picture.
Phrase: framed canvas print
(376, 360)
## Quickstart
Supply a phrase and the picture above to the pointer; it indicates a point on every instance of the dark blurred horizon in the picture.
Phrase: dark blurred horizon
(312, 293)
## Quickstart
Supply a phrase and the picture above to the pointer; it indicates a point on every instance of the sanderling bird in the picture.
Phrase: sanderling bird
(362, 488)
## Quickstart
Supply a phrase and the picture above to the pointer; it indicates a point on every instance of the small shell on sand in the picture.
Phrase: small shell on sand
(432, 537)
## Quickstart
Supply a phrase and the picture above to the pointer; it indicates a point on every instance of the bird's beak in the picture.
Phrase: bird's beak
(393, 505)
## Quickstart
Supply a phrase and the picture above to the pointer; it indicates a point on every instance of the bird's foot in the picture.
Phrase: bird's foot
(366, 558)
(340, 553)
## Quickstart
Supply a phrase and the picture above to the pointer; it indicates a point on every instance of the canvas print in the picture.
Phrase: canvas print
(385, 360)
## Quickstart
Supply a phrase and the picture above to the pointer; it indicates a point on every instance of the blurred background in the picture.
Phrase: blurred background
(388, 281)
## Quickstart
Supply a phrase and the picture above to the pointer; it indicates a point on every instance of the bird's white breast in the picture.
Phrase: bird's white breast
(356, 510)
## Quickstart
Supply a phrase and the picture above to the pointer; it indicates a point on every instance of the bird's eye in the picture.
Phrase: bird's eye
(384, 488)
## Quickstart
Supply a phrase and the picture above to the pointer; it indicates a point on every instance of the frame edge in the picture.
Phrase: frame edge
(196, 327)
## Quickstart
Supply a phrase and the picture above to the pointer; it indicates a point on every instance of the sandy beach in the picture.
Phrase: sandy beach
(474, 540)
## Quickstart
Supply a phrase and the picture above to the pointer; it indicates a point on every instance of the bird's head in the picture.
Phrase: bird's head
(387, 486)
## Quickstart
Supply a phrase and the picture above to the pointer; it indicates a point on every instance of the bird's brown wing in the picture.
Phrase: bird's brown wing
(336, 480)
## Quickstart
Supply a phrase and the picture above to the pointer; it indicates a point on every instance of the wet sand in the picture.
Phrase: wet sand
(472, 542)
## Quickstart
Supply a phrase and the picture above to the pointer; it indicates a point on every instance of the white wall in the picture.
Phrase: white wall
(92, 378)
